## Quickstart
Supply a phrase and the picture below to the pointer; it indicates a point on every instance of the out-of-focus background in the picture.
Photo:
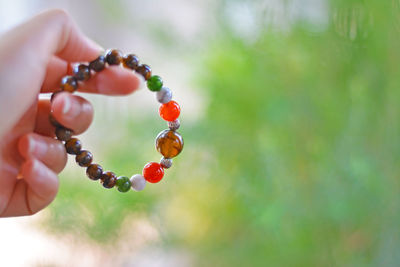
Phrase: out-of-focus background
(292, 139)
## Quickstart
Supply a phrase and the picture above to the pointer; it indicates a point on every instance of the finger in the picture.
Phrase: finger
(49, 151)
(37, 190)
(42, 185)
(73, 112)
(56, 70)
(31, 45)
(43, 125)
(112, 81)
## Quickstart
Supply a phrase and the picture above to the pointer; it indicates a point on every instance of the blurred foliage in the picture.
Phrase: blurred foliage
(296, 162)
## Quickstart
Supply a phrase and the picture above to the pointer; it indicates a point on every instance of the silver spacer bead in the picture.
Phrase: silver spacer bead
(166, 163)
(164, 95)
(174, 125)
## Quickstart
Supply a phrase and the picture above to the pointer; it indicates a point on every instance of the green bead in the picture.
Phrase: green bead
(155, 83)
(123, 184)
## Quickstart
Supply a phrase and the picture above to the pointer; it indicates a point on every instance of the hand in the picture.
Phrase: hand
(33, 58)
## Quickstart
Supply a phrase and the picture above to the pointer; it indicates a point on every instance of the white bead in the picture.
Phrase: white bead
(138, 182)
(164, 95)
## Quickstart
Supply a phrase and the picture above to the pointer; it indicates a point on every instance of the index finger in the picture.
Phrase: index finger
(114, 80)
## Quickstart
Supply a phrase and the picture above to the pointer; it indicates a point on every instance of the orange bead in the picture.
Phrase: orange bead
(170, 111)
(153, 172)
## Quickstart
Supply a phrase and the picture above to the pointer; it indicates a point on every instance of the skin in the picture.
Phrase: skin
(34, 57)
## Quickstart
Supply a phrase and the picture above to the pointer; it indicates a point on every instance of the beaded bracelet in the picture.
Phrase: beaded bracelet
(168, 142)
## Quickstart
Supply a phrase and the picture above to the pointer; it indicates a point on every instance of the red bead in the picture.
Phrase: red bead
(153, 172)
(170, 111)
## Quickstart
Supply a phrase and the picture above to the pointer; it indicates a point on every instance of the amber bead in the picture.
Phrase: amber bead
(98, 64)
(81, 72)
(108, 179)
(63, 134)
(114, 57)
(94, 171)
(53, 121)
(153, 172)
(69, 84)
(84, 158)
(169, 143)
(145, 71)
(73, 146)
(130, 61)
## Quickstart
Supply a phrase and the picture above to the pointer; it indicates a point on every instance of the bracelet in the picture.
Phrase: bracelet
(168, 142)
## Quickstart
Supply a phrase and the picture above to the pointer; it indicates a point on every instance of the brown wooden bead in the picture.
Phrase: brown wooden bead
(69, 84)
(63, 134)
(84, 158)
(98, 64)
(169, 143)
(73, 146)
(108, 179)
(94, 171)
(53, 121)
(130, 61)
(145, 71)
(81, 72)
(114, 57)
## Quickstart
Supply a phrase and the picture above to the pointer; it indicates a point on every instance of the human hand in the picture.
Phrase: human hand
(33, 58)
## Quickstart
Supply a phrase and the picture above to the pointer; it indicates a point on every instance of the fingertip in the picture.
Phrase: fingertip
(74, 112)
(41, 180)
(24, 145)
(114, 80)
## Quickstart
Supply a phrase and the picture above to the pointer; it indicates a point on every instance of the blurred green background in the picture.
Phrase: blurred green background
(292, 145)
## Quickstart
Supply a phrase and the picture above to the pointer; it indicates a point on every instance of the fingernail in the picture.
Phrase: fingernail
(37, 148)
(70, 108)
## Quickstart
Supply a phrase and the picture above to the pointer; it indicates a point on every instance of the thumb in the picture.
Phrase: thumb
(24, 54)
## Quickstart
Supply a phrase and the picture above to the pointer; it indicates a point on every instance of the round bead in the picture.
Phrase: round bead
(63, 134)
(114, 57)
(170, 111)
(81, 72)
(130, 61)
(69, 84)
(138, 182)
(155, 83)
(94, 171)
(108, 179)
(166, 163)
(98, 64)
(144, 70)
(73, 146)
(84, 158)
(169, 143)
(174, 125)
(153, 172)
(164, 95)
(123, 184)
